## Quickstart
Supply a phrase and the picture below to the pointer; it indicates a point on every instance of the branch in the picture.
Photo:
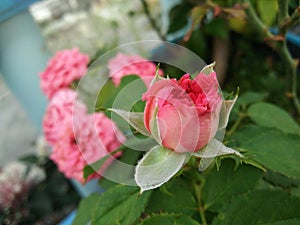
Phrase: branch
(152, 20)
(258, 25)
(290, 21)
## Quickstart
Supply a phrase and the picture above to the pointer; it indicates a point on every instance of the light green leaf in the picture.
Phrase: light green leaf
(168, 219)
(220, 186)
(135, 119)
(211, 150)
(120, 205)
(86, 209)
(215, 148)
(157, 167)
(260, 207)
(267, 10)
(273, 149)
(269, 115)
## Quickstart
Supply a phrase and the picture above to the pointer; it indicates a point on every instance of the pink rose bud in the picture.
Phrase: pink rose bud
(183, 115)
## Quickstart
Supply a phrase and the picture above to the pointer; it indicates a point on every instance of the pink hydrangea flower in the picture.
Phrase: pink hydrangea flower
(123, 65)
(65, 67)
(88, 139)
(60, 109)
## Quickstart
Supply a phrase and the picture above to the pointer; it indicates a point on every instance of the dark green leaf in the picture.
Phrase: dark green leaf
(286, 222)
(168, 219)
(250, 97)
(120, 205)
(176, 196)
(260, 207)
(269, 115)
(86, 209)
(275, 150)
(222, 185)
(178, 16)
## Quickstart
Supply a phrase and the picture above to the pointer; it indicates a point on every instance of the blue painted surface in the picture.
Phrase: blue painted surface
(9, 8)
(23, 56)
(69, 219)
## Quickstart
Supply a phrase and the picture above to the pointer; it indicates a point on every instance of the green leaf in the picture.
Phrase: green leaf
(86, 209)
(269, 115)
(267, 10)
(178, 16)
(222, 185)
(249, 98)
(168, 219)
(125, 95)
(176, 196)
(260, 207)
(215, 148)
(157, 167)
(135, 119)
(275, 150)
(120, 205)
(286, 222)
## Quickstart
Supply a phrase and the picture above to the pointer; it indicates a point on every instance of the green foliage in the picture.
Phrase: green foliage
(274, 149)
(228, 182)
(269, 115)
(86, 209)
(176, 196)
(179, 16)
(168, 219)
(267, 10)
(157, 167)
(260, 207)
(120, 205)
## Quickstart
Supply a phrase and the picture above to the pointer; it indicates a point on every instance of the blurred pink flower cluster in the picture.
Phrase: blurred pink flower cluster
(65, 67)
(16, 179)
(77, 138)
(122, 65)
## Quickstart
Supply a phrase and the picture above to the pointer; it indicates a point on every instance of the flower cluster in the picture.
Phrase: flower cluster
(16, 179)
(79, 138)
(64, 68)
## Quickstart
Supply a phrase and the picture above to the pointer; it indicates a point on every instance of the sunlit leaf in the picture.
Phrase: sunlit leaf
(157, 167)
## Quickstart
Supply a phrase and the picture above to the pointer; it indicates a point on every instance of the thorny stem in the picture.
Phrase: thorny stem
(152, 20)
(279, 46)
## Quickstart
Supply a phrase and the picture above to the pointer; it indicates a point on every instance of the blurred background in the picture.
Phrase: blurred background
(89, 25)
(255, 56)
